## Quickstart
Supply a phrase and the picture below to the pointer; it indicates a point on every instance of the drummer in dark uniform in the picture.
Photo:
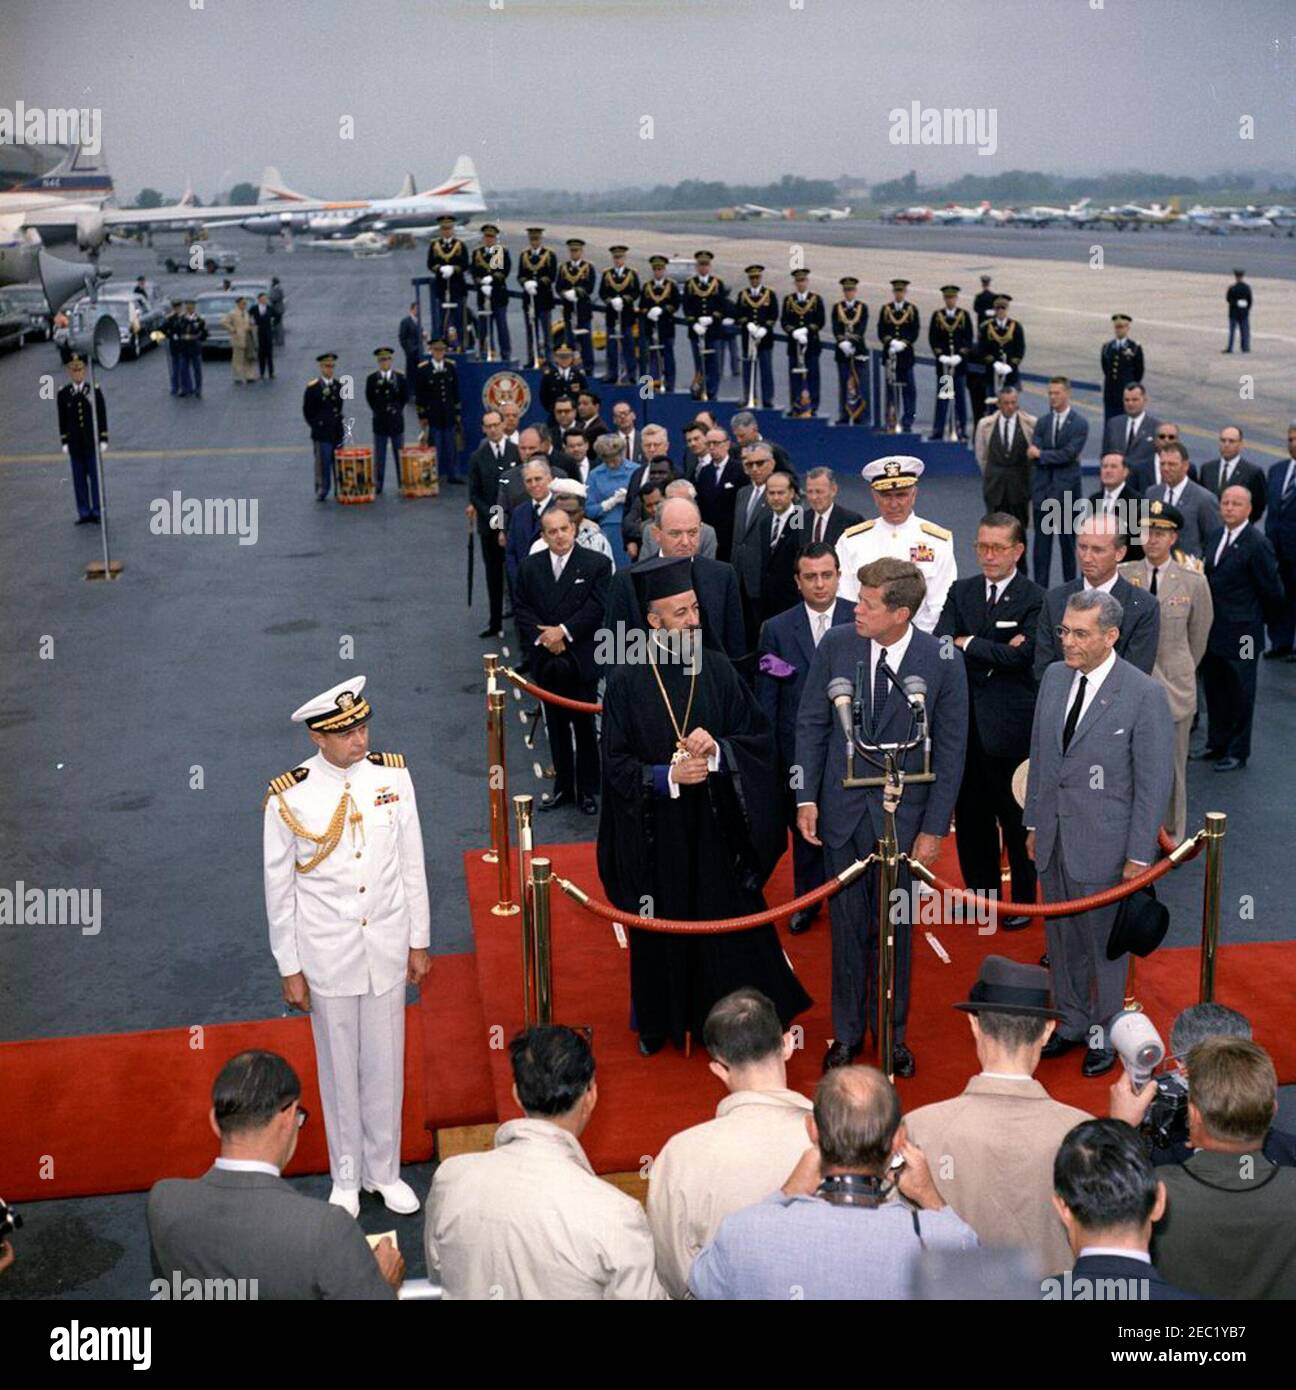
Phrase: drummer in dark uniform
(490, 266)
(658, 303)
(803, 320)
(705, 308)
(537, 267)
(847, 323)
(897, 328)
(619, 290)
(448, 261)
(575, 285)
(951, 340)
(756, 312)
(323, 410)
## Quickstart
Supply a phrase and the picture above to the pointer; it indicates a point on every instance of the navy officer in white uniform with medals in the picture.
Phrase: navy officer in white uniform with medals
(347, 900)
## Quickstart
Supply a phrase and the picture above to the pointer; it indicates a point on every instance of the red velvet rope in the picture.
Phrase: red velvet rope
(583, 706)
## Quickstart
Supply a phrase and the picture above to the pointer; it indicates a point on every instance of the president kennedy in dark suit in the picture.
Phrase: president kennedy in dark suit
(1101, 548)
(1101, 770)
(786, 649)
(993, 618)
(849, 821)
(242, 1221)
(558, 601)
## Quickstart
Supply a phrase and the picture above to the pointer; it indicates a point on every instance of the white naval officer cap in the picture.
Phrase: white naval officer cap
(894, 471)
(336, 710)
(568, 487)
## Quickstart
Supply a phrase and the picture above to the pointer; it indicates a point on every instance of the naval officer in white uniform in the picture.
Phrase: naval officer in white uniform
(347, 899)
(899, 534)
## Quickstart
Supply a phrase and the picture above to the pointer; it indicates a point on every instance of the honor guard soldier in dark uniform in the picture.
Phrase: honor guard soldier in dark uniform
(575, 284)
(560, 378)
(848, 322)
(77, 435)
(537, 269)
(447, 260)
(983, 304)
(950, 337)
(171, 329)
(387, 392)
(322, 408)
(982, 307)
(897, 328)
(803, 320)
(1240, 300)
(619, 290)
(490, 266)
(1001, 343)
(757, 314)
(1122, 366)
(658, 303)
(705, 308)
(191, 335)
(436, 400)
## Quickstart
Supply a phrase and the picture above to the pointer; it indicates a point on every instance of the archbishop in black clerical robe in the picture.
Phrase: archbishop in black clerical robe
(705, 854)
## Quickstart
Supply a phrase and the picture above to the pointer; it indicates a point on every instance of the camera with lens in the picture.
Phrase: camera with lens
(1166, 1121)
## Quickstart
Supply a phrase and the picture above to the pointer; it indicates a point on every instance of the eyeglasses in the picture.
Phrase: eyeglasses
(991, 548)
(1166, 434)
(302, 1113)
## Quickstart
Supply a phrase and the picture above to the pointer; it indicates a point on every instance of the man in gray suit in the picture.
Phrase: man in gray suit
(1198, 506)
(748, 554)
(1101, 768)
(242, 1221)
(1134, 435)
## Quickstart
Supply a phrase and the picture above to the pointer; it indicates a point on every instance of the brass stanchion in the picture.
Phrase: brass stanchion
(1216, 825)
(888, 856)
(522, 810)
(541, 877)
(497, 791)
(490, 663)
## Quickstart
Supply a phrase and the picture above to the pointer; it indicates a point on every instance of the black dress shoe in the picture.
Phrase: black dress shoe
(1014, 923)
(801, 922)
(647, 1046)
(551, 802)
(491, 632)
(1044, 960)
(82, 521)
(1098, 1061)
(1057, 1045)
(902, 1061)
(589, 807)
(95, 519)
(1230, 764)
(840, 1054)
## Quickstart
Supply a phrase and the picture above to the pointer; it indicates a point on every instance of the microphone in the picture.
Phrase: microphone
(915, 691)
(841, 691)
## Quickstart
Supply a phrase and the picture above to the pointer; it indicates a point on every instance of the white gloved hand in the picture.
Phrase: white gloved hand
(754, 332)
(726, 323)
(846, 347)
(1002, 368)
(617, 303)
(655, 312)
(488, 288)
(65, 448)
(895, 347)
(761, 331)
(705, 320)
(530, 286)
(700, 329)
(945, 361)
(802, 335)
(447, 271)
(956, 359)
(569, 296)
(617, 498)
(483, 281)
(103, 448)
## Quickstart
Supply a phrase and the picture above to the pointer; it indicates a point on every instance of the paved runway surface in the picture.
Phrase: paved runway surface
(142, 719)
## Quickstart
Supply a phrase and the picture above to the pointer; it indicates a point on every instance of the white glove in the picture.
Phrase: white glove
(617, 498)
(488, 288)
(483, 281)
(103, 448)
(569, 296)
(956, 359)
(655, 312)
(705, 320)
(846, 347)
(700, 329)
(895, 347)
(801, 335)
(617, 303)
(761, 331)
(754, 332)
(530, 286)
(946, 362)
(65, 448)
(447, 271)
(1002, 368)
(726, 323)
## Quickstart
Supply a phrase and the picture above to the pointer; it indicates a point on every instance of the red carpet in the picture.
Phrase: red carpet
(117, 1111)
(644, 1101)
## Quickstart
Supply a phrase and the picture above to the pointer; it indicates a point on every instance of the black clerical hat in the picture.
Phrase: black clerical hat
(661, 577)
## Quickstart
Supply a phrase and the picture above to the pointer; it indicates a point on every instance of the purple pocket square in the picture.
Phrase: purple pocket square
(775, 666)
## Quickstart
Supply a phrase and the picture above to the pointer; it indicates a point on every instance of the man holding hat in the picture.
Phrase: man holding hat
(705, 308)
(898, 332)
(1001, 345)
(437, 404)
(77, 423)
(619, 290)
(658, 304)
(756, 312)
(899, 533)
(1122, 366)
(347, 901)
(192, 332)
(1186, 615)
(447, 260)
(490, 265)
(537, 270)
(386, 392)
(848, 322)
(950, 337)
(323, 410)
(803, 320)
(991, 1149)
(576, 291)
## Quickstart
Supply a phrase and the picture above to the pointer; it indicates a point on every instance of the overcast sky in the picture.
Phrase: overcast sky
(553, 92)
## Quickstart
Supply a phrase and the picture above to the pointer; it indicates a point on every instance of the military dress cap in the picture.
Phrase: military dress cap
(662, 577)
(1121, 318)
(176, 303)
(384, 352)
(1239, 272)
(437, 342)
(895, 471)
(446, 217)
(950, 289)
(802, 273)
(76, 360)
(574, 241)
(617, 250)
(985, 279)
(899, 284)
(326, 357)
(1006, 986)
(704, 255)
(754, 270)
(658, 260)
(491, 228)
(1002, 301)
(568, 487)
(849, 282)
(341, 708)
(1165, 516)
(562, 350)
(535, 231)
(190, 303)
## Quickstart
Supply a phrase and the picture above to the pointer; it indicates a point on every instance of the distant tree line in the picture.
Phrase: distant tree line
(1030, 186)
(789, 191)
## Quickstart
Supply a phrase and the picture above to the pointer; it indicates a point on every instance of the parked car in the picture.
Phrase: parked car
(214, 259)
(30, 300)
(137, 320)
(213, 305)
(13, 324)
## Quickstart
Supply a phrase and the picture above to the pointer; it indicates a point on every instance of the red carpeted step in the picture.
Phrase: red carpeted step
(642, 1102)
(114, 1112)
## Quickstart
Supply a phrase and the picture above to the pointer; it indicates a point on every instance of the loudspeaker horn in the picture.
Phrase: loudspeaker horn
(62, 279)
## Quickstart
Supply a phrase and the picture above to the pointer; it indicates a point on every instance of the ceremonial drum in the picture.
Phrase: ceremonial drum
(418, 471)
(355, 475)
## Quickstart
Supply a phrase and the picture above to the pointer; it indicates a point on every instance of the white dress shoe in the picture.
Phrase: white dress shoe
(347, 1198)
(398, 1197)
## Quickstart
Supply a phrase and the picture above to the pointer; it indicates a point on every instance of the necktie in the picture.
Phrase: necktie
(1154, 583)
(821, 626)
(1290, 484)
(993, 599)
(751, 505)
(819, 525)
(776, 530)
(1129, 437)
(1003, 432)
(1055, 429)
(1226, 472)
(879, 690)
(1073, 714)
